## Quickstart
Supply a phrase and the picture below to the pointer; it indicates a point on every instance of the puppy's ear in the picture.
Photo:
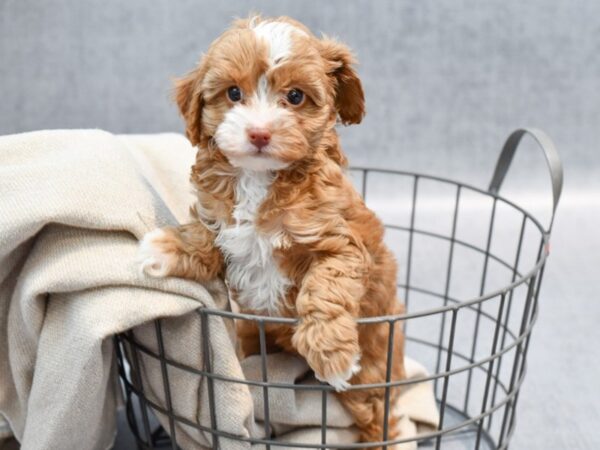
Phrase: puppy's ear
(188, 95)
(349, 96)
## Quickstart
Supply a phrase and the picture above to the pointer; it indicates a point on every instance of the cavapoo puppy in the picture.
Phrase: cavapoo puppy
(276, 214)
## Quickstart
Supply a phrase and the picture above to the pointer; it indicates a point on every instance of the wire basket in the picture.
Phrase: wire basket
(471, 263)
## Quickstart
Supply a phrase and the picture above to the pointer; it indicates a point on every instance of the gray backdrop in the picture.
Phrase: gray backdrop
(445, 82)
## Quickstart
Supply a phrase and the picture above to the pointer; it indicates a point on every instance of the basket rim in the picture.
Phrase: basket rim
(494, 195)
(477, 364)
(521, 279)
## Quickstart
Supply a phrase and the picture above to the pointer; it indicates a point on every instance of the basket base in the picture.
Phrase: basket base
(460, 440)
(463, 439)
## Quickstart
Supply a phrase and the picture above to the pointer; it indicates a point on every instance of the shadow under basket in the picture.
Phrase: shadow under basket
(471, 266)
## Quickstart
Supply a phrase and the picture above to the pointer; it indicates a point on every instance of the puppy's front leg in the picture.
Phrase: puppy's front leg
(327, 305)
(187, 251)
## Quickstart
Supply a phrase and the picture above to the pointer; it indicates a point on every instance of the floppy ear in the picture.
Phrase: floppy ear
(349, 96)
(188, 95)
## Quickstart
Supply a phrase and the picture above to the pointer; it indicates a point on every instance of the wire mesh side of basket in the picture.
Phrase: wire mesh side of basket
(475, 350)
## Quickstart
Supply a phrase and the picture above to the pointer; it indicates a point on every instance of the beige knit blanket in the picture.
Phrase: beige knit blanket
(72, 206)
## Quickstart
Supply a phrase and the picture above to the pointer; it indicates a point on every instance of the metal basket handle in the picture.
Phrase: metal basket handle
(552, 158)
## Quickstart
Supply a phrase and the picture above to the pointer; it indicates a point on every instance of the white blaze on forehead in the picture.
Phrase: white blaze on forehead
(262, 89)
(261, 108)
(278, 36)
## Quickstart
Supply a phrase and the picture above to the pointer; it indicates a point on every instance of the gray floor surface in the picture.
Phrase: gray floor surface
(560, 404)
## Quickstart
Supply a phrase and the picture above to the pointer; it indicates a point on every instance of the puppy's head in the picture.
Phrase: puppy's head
(267, 92)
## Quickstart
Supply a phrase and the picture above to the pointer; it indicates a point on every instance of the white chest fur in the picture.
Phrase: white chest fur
(251, 269)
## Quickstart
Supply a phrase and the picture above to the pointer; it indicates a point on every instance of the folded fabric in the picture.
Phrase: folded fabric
(292, 411)
(72, 206)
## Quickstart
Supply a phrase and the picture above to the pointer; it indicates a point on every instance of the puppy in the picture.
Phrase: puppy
(276, 215)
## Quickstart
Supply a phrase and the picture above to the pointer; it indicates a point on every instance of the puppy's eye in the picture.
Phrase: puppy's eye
(234, 93)
(295, 96)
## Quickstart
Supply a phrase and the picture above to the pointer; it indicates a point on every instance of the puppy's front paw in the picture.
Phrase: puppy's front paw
(330, 348)
(340, 380)
(155, 254)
